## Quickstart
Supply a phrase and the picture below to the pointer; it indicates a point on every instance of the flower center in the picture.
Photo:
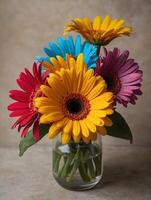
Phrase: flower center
(34, 94)
(113, 83)
(75, 106)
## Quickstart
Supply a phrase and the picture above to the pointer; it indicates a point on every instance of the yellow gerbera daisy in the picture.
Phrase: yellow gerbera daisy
(56, 63)
(76, 103)
(99, 31)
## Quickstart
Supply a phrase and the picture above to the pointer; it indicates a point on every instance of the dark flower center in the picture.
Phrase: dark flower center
(113, 83)
(75, 106)
(109, 82)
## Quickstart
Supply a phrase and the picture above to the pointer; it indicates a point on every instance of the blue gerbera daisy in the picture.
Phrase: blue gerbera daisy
(71, 47)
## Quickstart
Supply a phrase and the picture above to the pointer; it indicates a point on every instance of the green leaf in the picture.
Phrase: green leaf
(29, 140)
(120, 128)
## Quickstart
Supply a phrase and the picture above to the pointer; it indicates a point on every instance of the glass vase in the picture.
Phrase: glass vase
(77, 166)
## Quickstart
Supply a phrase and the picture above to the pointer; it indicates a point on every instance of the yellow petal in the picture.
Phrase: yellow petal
(79, 62)
(61, 123)
(88, 86)
(67, 80)
(88, 23)
(65, 138)
(98, 105)
(96, 91)
(43, 101)
(95, 120)
(119, 24)
(77, 138)
(68, 127)
(99, 113)
(48, 109)
(61, 61)
(46, 90)
(91, 126)
(96, 23)
(76, 128)
(52, 117)
(112, 24)
(105, 23)
(89, 73)
(84, 129)
(53, 131)
(55, 62)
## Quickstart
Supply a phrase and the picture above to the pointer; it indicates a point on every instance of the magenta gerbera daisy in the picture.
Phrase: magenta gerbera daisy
(122, 75)
(24, 107)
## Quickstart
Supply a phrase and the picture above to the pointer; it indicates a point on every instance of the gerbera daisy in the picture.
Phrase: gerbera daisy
(99, 31)
(24, 107)
(76, 103)
(72, 48)
(122, 75)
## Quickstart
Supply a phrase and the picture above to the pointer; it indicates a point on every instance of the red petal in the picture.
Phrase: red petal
(18, 106)
(23, 85)
(19, 113)
(26, 80)
(36, 74)
(36, 132)
(20, 95)
(30, 77)
(25, 130)
(28, 119)
(20, 120)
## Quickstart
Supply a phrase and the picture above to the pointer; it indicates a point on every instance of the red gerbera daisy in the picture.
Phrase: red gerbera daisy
(24, 107)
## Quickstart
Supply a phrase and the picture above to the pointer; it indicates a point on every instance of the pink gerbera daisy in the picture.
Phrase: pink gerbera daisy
(122, 75)
(24, 107)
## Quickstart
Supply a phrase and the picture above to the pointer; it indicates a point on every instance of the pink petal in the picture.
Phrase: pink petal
(129, 71)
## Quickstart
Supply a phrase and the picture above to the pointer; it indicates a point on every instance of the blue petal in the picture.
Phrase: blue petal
(87, 49)
(49, 52)
(55, 49)
(71, 46)
(63, 46)
(78, 46)
(41, 58)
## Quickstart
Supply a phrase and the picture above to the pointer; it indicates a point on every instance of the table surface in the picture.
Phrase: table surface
(127, 175)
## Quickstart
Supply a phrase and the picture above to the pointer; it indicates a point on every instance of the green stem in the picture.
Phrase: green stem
(83, 170)
(63, 172)
(74, 163)
(56, 161)
(91, 168)
(97, 161)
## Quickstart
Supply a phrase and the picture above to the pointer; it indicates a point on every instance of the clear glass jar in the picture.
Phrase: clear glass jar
(77, 166)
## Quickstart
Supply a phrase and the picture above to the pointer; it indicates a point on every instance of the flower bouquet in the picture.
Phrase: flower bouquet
(72, 93)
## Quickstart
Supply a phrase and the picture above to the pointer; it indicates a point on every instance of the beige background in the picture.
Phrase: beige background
(27, 26)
